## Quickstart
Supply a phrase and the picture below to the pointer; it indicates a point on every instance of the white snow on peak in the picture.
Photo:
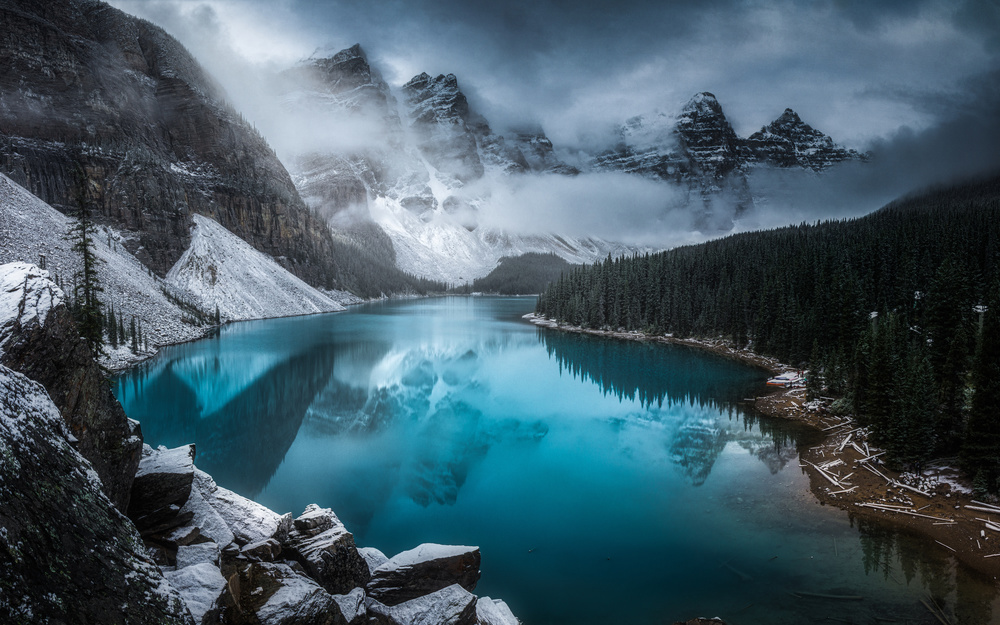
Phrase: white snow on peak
(221, 270)
(26, 296)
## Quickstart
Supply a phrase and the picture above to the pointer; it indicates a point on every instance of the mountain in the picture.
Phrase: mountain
(422, 171)
(790, 142)
(218, 271)
(96, 100)
(698, 150)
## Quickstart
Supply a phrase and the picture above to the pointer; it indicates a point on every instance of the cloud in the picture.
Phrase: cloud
(613, 206)
(578, 67)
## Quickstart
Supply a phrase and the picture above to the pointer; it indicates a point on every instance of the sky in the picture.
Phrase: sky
(914, 82)
(859, 70)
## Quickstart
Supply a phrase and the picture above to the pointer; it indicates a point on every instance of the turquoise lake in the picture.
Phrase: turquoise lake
(605, 481)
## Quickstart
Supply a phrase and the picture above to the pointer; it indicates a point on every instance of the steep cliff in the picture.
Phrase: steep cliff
(39, 339)
(85, 87)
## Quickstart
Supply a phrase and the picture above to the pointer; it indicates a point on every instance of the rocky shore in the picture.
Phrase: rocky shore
(847, 471)
(186, 551)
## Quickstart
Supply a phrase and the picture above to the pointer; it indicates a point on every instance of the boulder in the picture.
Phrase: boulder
(373, 557)
(264, 593)
(207, 520)
(425, 569)
(452, 605)
(352, 607)
(494, 612)
(262, 551)
(248, 521)
(162, 486)
(200, 585)
(327, 551)
(198, 554)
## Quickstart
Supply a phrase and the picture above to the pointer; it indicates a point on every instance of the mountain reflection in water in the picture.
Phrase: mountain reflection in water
(586, 469)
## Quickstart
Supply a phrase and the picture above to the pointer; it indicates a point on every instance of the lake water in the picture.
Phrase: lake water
(605, 481)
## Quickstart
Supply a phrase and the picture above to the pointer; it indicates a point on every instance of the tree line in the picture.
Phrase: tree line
(897, 313)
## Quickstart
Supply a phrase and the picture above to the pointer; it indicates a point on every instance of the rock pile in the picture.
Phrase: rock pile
(236, 562)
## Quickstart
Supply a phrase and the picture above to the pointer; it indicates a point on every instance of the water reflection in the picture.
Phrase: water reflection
(452, 421)
(649, 373)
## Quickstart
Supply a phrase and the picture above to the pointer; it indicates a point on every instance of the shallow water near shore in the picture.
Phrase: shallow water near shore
(605, 481)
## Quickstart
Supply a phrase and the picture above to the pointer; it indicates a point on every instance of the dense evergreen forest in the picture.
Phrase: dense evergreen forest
(519, 275)
(364, 261)
(897, 312)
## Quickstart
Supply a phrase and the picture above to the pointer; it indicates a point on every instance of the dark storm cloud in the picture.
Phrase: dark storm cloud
(579, 67)
(915, 81)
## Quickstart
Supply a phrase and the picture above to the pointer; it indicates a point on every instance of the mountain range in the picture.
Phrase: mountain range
(97, 104)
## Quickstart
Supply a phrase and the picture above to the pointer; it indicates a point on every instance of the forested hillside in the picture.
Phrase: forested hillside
(520, 275)
(891, 310)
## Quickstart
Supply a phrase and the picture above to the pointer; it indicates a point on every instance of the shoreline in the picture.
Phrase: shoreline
(846, 472)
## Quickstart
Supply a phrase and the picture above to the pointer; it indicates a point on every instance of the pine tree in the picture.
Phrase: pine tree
(112, 327)
(86, 305)
(134, 336)
(980, 452)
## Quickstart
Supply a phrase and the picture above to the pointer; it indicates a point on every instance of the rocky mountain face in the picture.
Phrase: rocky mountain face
(39, 339)
(699, 150)
(424, 174)
(95, 101)
(790, 142)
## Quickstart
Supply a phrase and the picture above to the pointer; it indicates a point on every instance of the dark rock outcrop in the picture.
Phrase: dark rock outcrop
(86, 87)
(439, 115)
(790, 142)
(275, 594)
(48, 349)
(452, 605)
(162, 486)
(324, 547)
(66, 555)
(427, 568)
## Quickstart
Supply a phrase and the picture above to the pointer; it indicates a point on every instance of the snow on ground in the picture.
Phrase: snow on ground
(221, 270)
(243, 286)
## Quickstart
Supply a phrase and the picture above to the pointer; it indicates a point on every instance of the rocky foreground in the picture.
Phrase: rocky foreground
(188, 551)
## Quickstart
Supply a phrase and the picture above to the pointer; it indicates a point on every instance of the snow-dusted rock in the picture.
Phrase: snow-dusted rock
(373, 557)
(275, 594)
(452, 605)
(425, 569)
(494, 612)
(39, 338)
(26, 297)
(201, 553)
(161, 487)
(207, 520)
(262, 551)
(352, 606)
(249, 521)
(327, 551)
(200, 585)
(97, 569)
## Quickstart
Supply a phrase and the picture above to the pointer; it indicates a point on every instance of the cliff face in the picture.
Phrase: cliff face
(85, 86)
(40, 340)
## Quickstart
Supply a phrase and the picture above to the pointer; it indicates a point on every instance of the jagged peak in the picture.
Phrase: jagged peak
(419, 81)
(702, 103)
(347, 54)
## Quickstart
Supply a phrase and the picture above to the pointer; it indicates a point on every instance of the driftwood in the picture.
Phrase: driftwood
(909, 512)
